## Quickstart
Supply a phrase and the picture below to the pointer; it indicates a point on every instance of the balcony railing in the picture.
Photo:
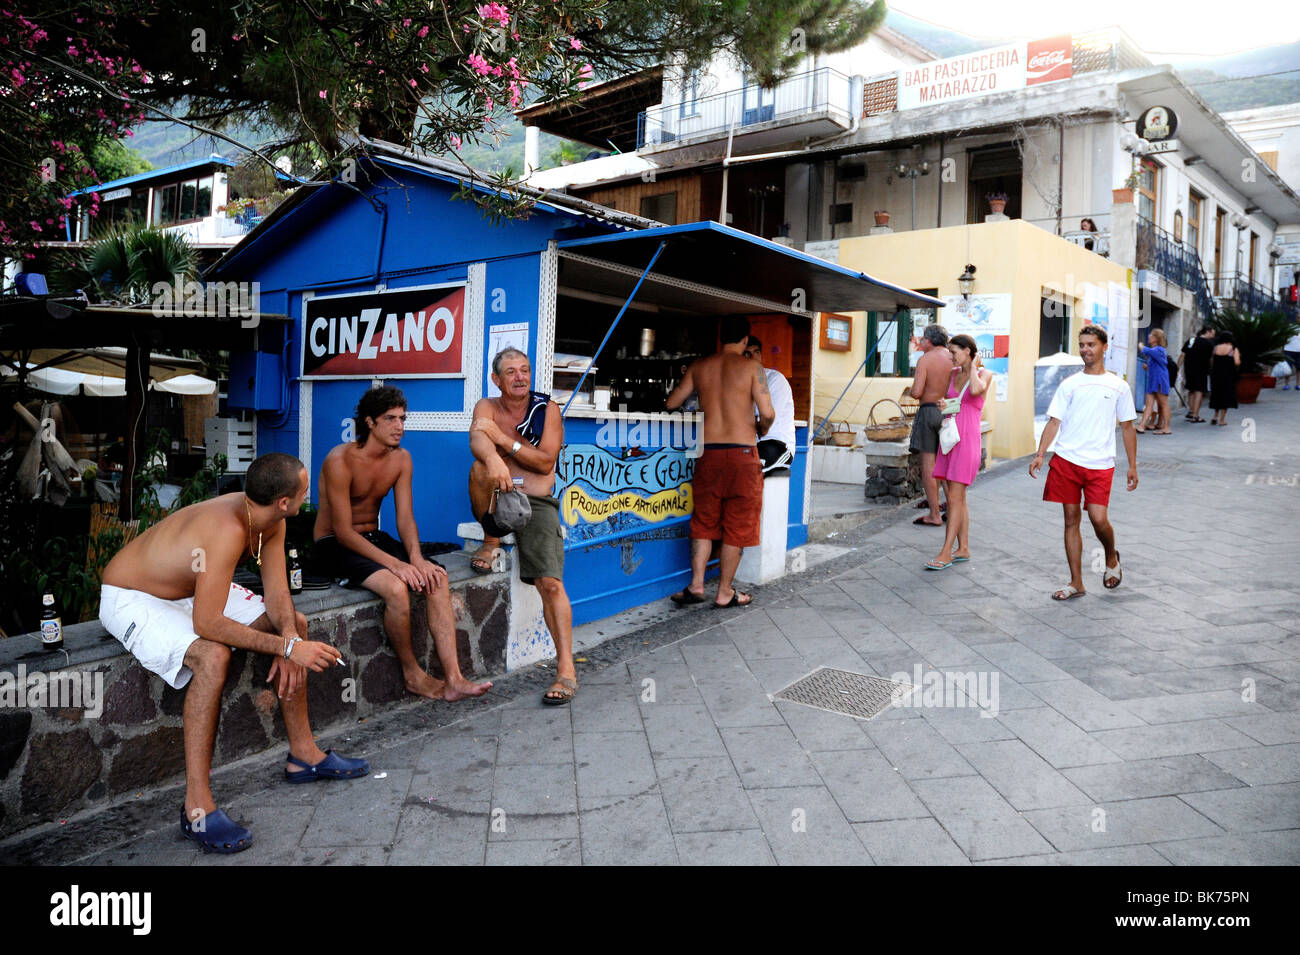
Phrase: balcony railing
(1161, 253)
(1233, 288)
(819, 94)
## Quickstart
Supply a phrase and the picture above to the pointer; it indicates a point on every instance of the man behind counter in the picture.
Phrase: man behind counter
(728, 483)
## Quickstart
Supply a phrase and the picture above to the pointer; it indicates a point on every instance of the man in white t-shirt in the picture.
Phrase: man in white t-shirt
(1081, 419)
(776, 445)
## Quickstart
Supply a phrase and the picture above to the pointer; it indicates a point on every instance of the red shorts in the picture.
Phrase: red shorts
(728, 489)
(1066, 480)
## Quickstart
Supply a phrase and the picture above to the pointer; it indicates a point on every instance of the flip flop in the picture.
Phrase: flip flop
(684, 597)
(483, 565)
(565, 687)
(1070, 592)
(332, 766)
(1112, 573)
(218, 832)
(735, 601)
(960, 560)
(933, 565)
(921, 521)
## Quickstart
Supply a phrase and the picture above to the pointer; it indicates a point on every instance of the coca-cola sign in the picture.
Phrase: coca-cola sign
(1049, 60)
(986, 72)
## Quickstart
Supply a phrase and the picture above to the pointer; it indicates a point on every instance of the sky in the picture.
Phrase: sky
(1184, 30)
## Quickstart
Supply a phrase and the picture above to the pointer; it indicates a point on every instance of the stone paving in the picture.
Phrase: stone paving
(1157, 724)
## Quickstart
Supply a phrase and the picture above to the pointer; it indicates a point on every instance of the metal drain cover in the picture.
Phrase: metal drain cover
(845, 692)
(1160, 465)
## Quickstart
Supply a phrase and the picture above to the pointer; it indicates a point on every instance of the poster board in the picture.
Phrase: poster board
(987, 319)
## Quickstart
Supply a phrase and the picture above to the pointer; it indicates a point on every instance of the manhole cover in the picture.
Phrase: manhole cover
(843, 691)
(1160, 465)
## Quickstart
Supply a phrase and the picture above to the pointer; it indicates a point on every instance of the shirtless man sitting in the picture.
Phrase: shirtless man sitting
(168, 597)
(933, 375)
(728, 481)
(518, 437)
(354, 480)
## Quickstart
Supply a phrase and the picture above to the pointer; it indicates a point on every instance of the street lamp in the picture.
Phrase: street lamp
(910, 171)
(966, 282)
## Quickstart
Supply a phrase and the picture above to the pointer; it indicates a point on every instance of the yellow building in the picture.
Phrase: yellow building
(1049, 286)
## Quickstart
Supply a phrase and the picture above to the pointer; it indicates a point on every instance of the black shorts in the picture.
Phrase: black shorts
(925, 429)
(348, 568)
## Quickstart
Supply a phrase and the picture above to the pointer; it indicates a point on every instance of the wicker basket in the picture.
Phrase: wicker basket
(895, 429)
(909, 405)
(843, 435)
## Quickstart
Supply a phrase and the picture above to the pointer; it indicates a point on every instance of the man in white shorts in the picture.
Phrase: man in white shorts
(168, 597)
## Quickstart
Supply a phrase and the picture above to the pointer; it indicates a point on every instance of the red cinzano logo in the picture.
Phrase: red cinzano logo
(1048, 60)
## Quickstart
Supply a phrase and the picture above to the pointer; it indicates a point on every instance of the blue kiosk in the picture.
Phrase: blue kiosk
(391, 278)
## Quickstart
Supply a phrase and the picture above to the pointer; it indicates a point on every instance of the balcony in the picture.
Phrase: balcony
(1237, 290)
(810, 105)
(1163, 254)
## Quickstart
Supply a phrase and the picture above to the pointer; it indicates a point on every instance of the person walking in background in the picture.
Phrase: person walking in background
(1224, 365)
(1194, 360)
(1292, 349)
(958, 467)
(1157, 405)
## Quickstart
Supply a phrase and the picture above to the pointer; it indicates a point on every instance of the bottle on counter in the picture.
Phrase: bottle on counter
(295, 572)
(51, 623)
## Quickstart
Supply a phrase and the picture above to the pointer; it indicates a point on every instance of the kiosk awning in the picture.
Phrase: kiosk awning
(709, 267)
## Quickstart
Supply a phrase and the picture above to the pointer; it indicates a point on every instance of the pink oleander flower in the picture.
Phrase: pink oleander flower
(575, 43)
(478, 64)
(322, 94)
(495, 11)
(422, 32)
(455, 141)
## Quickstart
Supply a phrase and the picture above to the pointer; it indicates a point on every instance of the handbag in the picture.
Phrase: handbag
(951, 406)
(948, 433)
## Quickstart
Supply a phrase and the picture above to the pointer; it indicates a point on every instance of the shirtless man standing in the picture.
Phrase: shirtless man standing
(728, 481)
(933, 374)
(355, 479)
(518, 436)
(168, 597)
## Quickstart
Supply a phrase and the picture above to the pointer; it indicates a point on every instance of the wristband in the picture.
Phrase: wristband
(288, 648)
(514, 449)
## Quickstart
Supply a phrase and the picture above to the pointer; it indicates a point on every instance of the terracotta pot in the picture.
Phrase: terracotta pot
(882, 218)
(1248, 386)
(997, 205)
(1269, 382)
(1121, 195)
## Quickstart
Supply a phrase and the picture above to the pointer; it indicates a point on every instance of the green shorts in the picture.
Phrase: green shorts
(540, 545)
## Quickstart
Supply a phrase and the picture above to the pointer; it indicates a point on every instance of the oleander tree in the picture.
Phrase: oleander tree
(430, 74)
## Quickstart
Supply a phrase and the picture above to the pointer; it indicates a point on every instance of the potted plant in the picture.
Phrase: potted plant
(1128, 190)
(882, 217)
(997, 202)
(1260, 339)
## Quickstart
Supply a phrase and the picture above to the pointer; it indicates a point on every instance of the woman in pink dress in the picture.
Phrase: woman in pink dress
(957, 468)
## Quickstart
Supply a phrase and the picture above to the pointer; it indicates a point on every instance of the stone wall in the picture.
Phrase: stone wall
(56, 762)
(893, 477)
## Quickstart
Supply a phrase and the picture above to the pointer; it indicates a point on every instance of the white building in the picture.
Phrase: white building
(887, 133)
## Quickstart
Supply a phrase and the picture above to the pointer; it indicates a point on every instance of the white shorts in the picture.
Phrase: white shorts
(159, 632)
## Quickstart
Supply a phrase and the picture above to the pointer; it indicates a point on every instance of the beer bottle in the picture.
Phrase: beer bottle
(295, 572)
(51, 623)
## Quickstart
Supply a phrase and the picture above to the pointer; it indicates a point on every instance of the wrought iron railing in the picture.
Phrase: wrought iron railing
(1163, 254)
(1247, 295)
(824, 92)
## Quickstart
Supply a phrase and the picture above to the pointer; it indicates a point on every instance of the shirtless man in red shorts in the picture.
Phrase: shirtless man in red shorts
(728, 483)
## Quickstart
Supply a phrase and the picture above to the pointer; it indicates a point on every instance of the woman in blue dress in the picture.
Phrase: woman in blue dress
(1157, 407)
